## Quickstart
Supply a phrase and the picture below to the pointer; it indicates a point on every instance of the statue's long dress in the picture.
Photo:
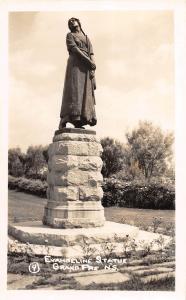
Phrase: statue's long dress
(78, 101)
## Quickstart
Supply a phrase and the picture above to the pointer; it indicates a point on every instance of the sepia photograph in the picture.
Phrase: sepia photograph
(91, 150)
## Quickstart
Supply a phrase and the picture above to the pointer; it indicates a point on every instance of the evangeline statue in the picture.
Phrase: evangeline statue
(78, 101)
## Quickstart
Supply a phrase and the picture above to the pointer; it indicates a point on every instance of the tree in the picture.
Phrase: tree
(34, 161)
(150, 149)
(45, 153)
(131, 168)
(15, 162)
(112, 156)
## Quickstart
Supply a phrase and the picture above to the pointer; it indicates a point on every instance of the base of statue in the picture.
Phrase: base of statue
(38, 239)
(74, 180)
(44, 240)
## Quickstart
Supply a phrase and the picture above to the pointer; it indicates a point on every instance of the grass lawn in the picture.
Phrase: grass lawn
(139, 217)
(23, 206)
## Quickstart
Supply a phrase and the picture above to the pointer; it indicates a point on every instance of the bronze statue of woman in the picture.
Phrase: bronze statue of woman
(78, 101)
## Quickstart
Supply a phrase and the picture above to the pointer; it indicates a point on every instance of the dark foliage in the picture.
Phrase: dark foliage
(112, 156)
(138, 195)
(116, 193)
(30, 186)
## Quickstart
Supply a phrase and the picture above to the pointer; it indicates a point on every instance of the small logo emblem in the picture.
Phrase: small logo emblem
(34, 267)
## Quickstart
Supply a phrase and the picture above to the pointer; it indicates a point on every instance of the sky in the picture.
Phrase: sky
(134, 54)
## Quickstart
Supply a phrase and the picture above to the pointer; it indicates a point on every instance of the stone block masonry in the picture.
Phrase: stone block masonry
(74, 180)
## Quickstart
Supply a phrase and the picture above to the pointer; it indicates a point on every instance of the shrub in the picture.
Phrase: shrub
(135, 194)
(31, 186)
(138, 194)
(13, 182)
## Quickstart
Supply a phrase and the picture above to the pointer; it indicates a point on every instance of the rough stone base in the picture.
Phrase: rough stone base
(75, 216)
(69, 243)
(36, 233)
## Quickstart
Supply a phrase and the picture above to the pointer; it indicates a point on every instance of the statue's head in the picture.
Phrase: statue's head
(73, 22)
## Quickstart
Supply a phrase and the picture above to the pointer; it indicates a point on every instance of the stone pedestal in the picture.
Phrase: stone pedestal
(74, 180)
(72, 243)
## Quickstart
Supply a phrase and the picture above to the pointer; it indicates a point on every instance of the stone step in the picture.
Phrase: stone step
(102, 279)
(157, 277)
(165, 264)
(91, 273)
(37, 233)
(145, 272)
(133, 268)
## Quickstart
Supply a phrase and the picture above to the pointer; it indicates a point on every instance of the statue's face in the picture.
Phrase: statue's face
(73, 23)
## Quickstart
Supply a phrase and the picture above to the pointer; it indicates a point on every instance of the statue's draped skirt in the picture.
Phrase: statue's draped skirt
(78, 101)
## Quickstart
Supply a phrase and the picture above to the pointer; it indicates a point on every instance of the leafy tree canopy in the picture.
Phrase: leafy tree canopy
(149, 149)
(112, 156)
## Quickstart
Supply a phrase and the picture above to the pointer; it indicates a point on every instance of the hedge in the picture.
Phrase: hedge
(31, 186)
(136, 195)
(116, 192)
